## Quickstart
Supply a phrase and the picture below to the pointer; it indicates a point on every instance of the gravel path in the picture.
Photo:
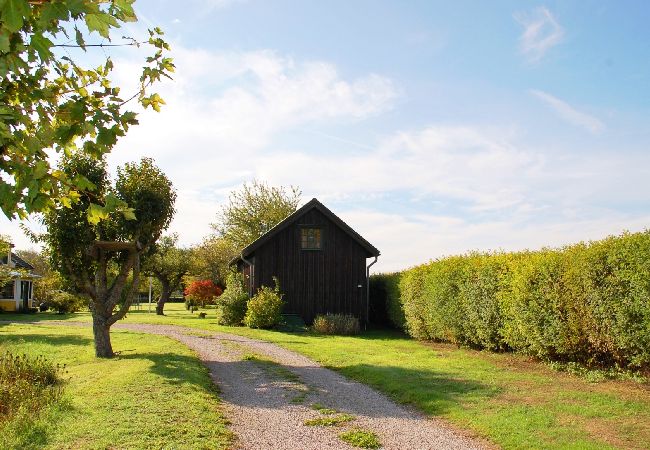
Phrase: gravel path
(268, 393)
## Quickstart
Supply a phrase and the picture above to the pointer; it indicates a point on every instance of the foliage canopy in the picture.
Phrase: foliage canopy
(48, 101)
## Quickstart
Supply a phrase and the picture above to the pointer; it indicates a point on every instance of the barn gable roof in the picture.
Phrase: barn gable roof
(312, 204)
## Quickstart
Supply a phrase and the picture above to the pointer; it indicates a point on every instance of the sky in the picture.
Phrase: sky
(431, 127)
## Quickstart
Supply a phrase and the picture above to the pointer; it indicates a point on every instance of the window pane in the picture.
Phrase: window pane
(310, 238)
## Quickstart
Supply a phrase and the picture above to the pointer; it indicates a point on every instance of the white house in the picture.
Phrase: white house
(16, 294)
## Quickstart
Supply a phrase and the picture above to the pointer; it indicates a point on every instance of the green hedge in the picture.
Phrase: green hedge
(588, 303)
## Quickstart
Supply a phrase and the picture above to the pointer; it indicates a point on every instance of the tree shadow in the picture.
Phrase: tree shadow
(433, 392)
(50, 339)
(174, 368)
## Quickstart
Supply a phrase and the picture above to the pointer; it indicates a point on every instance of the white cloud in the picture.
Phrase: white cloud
(569, 113)
(541, 33)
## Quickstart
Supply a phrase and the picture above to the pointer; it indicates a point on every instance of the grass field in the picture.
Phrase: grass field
(155, 394)
(510, 400)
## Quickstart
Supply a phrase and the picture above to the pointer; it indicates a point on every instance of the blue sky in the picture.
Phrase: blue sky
(432, 128)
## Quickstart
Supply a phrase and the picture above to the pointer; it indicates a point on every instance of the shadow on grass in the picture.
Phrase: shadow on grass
(7, 318)
(433, 392)
(51, 339)
(176, 369)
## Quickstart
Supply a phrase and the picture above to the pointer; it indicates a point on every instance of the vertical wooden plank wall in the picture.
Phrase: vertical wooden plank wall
(315, 281)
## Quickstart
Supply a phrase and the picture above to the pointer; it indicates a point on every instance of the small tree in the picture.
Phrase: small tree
(203, 291)
(169, 264)
(254, 210)
(210, 260)
(99, 257)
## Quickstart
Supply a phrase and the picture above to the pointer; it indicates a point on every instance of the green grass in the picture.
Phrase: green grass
(329, 421)
(155, 394)
(360, 438)
(508, 399)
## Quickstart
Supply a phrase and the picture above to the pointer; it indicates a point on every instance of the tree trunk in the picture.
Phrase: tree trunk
(101, 331)
(165, 293)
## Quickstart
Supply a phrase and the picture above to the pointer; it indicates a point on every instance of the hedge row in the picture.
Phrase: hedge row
(588, 303)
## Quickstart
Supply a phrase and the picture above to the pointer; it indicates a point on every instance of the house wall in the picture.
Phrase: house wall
(332, 279)
(15, 303)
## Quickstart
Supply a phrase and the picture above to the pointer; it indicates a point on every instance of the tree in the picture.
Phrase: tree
(98, 257)
(203, 291)
(210, 260)
(169, 264)
(50, 101)
(254, 210)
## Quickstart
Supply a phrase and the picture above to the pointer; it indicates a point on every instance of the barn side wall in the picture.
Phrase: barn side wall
(330, 280)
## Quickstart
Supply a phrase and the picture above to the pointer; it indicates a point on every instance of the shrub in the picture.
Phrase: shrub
(336, 324)
(64, 302)
(231, 307)
(27, 385)
(265, 308)
(203, 292)
(588, 303)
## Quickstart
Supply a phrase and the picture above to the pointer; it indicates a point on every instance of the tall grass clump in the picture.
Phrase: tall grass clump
(28, 385)
(587, 303)
(336, 324)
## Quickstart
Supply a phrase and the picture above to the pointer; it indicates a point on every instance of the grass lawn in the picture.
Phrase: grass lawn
(155, 394)
(510, 400)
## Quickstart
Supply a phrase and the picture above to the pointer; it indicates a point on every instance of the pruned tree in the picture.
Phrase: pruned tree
(168, 264)
(50, 101)
(253, 210)
(100, 257)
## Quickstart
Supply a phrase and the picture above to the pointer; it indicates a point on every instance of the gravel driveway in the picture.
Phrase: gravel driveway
(269, 393)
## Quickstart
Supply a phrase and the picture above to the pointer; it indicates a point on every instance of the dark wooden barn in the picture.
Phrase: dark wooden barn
(319, 260)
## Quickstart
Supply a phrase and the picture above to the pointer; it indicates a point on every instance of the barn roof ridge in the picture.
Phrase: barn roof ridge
(313, 203)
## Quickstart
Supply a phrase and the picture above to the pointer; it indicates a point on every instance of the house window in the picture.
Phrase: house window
(7, 291)
(311, 239)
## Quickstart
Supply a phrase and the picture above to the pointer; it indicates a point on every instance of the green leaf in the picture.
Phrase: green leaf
(40, 169)
(42, 45)
(100, 22)
(83, 184)
(129, 214)
(79, 38)
(13, 14)
(126, 8)
(96, 213)
(4, 42)
(53, 11)
(77, 6)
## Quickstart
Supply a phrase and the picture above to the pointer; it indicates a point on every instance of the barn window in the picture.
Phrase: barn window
(311, 238)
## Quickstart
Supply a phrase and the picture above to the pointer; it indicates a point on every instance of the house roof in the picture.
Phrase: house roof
(18, 262)
(312, 204)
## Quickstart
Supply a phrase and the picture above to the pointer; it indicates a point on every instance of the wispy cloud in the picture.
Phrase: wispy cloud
(541, 33)
(569, 113)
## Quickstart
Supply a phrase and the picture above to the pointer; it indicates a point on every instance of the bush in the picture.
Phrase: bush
(27, 385)
(231, 306)
(202, 292)
(587, 303)
(64, 302)
(336, 324)
(265, 308)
